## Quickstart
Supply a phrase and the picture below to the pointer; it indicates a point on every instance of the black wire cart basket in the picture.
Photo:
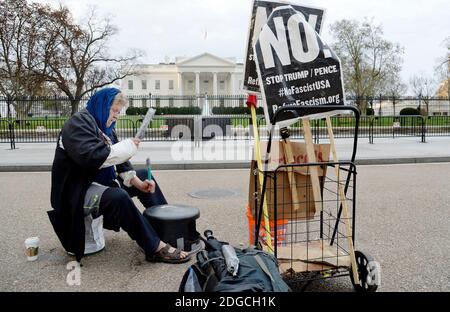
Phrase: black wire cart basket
(313, 237)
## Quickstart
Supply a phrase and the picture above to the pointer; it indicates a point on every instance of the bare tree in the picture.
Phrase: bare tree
(424, 88)
(79, 61)
(393, 87)
(443, 72)
(367, 58)
(22, 36)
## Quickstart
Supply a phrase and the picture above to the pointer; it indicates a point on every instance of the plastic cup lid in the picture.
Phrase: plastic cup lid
(32, 240)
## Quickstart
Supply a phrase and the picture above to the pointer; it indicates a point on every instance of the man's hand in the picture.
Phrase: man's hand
(136, 141)
(144, 186)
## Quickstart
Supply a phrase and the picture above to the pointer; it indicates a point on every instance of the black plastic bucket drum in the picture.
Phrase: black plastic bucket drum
(175, 224)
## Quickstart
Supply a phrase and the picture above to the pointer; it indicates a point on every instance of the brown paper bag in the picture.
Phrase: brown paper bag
(284, 205)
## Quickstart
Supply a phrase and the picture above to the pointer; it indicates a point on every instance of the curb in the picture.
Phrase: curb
(229, 165)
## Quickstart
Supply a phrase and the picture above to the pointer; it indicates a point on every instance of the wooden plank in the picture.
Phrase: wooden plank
(261, 179)
(291, 175)
(348, 230)
(314, 174)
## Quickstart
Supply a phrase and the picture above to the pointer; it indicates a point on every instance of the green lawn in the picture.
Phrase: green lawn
(57, 123)
(130, 122)
(34, 123)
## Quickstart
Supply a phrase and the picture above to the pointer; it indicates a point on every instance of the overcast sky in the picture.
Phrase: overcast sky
(177, 27)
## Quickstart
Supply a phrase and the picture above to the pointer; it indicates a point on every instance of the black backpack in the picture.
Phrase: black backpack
(258, 271)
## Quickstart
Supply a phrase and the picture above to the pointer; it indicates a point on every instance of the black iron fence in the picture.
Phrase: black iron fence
(40, 119)
(57, 107)
(231, 127)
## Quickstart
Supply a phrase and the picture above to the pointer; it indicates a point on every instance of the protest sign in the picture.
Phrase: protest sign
(261, 10)
(296, 67)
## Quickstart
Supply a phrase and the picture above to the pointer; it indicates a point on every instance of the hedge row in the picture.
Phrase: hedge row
(165, 111)
(409, 111)
(235, 110)
(193, 110)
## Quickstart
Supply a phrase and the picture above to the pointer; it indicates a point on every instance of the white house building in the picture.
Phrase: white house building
(187, 76)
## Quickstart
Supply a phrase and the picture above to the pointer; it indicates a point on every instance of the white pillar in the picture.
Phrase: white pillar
(214, 83)
(232, 90)
(180, 84)
(197, 83)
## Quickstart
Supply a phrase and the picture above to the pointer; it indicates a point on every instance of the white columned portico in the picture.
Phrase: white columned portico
(180, 84)
(214, 83)
(197, 83)
(232, 84)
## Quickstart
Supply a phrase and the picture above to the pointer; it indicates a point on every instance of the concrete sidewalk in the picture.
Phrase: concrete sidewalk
(402, 220)
(229, 154)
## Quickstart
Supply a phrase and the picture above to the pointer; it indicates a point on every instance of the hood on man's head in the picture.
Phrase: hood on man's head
(99, 106)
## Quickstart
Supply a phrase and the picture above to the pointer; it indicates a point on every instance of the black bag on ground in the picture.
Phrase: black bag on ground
(257, 271)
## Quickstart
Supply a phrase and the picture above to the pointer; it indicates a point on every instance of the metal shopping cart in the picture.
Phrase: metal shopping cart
(317, 234)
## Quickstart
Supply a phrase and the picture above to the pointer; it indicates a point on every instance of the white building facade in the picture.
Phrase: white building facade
(194, 76)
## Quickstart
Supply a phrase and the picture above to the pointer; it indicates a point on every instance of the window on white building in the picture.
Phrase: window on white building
(157, 84)
(222, 85)
(158, 102)
(130, 84)
(144, 103)
(205, 81)
(191, 84)
(170, 84)
(144, 84)
(171, 102)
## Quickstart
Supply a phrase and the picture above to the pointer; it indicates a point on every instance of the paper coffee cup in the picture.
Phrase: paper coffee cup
(32, 248)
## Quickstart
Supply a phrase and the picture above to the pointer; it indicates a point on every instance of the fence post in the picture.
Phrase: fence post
(393, 103)
(380, 111)
(420, 103)
(205, 106)
(393, 127)
(12, 138)
(423, 129)
(371, 119)
(316, 134)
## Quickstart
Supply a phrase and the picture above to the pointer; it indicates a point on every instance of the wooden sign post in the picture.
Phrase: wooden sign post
(314, 173)
(251, 102)
(287, 150)
(343, 201)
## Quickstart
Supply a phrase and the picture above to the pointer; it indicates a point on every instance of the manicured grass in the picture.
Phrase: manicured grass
(240, 122)
(34, 123)
(129, 122)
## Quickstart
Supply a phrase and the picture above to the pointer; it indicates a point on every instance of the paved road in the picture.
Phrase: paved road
(403, 221)
(218, 154)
